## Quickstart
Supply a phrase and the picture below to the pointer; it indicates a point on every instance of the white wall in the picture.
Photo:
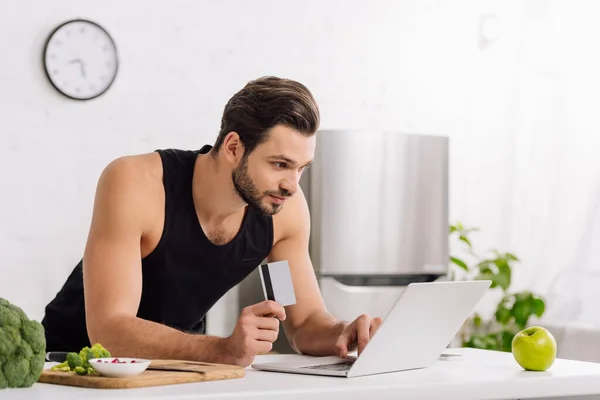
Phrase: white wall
(417, 66)
(390, 65)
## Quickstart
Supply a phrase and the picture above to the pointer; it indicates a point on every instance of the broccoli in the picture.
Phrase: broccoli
(80, 371)
(96, 351)
(74, 360)
(64, 367)
(86, 354)
(99, 351)
(79, 363)
(22, 347)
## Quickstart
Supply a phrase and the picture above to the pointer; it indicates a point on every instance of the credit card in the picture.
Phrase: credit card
(277, 282)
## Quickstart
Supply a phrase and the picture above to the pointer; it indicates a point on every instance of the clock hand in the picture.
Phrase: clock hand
(81, 65)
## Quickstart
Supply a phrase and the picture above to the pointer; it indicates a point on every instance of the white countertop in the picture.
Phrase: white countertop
(478, 374)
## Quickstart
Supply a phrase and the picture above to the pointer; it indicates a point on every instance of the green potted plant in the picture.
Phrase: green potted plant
(514, 309)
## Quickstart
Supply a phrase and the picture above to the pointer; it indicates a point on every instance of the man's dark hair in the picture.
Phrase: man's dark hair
(264, 103)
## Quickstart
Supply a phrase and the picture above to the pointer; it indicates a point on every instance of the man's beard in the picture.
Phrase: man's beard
(247, 190)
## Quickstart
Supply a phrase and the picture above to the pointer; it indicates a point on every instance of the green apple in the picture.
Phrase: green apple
(534, 348)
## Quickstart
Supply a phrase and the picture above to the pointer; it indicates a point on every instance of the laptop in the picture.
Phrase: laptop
(413, 335)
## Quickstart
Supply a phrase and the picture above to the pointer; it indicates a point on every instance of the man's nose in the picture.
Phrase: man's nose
(289, 186)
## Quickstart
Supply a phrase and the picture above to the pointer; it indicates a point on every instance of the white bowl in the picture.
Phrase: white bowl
(125, 367)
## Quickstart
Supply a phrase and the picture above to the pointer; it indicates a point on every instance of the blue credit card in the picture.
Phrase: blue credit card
(277, 282)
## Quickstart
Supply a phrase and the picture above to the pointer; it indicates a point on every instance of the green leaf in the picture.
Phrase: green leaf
(460, 263)
(503, 314)
(523, 296)
(522, 310)
(464, 239)
(485, 264)
(500, 279)
(452, 229)
(487, 276)
(511, 257)
(477, 320)
(538, 306)
(493, 341)
(504, 274)
(486, 342)
(506, 338)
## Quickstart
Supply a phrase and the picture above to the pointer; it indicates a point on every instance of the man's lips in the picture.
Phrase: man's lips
(277, 199)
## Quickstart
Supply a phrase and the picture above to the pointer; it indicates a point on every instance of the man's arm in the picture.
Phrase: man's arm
(309, 327)
(112, 274)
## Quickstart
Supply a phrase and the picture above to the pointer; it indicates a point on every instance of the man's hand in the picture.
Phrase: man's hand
(357, 334)
(254, 333)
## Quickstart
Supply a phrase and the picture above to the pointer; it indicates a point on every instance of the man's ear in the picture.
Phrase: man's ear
(233, 147)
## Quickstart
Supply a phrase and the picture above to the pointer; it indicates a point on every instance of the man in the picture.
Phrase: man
(173, 230)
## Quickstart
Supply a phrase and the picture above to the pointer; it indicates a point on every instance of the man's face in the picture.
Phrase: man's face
(270, 174)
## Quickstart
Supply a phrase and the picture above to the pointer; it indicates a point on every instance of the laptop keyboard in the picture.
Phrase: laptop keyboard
(345, 365)
(341, 366)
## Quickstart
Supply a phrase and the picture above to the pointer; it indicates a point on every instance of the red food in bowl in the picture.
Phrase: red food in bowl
(115, 361)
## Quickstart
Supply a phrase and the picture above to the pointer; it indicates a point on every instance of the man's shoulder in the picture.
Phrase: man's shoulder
(137, 169)
(134, 179)
(132, 184)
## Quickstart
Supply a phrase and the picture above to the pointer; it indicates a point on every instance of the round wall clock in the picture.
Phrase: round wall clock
(80, 59)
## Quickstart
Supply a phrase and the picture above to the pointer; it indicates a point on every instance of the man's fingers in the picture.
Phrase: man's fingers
(266, 335)
(267, 323)
(341, 348)
(270, 308)
(263, 347)
(375, 324)
(363, 326)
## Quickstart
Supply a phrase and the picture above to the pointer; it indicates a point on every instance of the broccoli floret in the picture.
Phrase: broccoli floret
(74, 360)
(30, 332)
(86, 354)
(36, 364)
(79, 363)
(3, 381)
(59, 367)
(15, 371)
(24, 351)
(80, 370)
(7, 346)
(22, 347)
(9, 314)
(99, 351)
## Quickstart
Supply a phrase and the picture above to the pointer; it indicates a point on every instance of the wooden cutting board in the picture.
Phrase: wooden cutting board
(160, 372)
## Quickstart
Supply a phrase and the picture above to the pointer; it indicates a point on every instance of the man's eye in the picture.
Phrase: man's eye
(280, 165)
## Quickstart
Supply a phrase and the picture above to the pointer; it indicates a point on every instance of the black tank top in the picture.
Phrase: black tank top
(183, 277)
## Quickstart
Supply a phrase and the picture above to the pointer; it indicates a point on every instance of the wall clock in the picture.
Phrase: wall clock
(80, 59)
